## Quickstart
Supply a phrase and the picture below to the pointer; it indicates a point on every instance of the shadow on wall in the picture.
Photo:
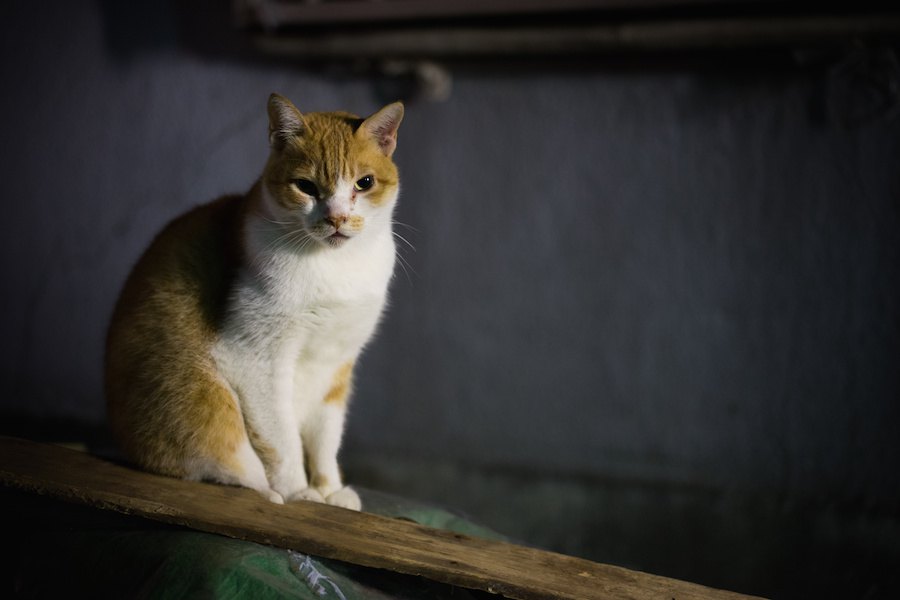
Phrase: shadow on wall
(202, 27)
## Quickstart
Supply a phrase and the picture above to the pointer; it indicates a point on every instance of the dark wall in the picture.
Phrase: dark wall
(680, 274)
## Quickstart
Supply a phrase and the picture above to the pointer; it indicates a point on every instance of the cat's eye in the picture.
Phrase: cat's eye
(365, 183)
(307, 187)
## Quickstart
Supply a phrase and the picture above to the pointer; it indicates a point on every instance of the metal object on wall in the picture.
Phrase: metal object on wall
(438, 29)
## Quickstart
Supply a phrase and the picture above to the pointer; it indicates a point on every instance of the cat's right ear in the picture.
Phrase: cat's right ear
(382, 126)
(285, 121)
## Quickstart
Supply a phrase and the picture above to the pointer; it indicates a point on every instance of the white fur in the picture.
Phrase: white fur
(253, 475)
(301, 310)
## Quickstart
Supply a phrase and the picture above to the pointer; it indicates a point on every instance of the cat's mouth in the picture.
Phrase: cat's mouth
(337, 238)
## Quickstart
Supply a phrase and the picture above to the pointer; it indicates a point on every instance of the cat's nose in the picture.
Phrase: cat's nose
(336, 220)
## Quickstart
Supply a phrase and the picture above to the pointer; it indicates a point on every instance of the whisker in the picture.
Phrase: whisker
(264, 218)
(404, 240)
(294, 239)
(404, 264)
(301, 242)
(401, 260)
(287, 237)
(401, 224)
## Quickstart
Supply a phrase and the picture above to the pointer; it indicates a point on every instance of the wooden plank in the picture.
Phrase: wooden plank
(327, 531)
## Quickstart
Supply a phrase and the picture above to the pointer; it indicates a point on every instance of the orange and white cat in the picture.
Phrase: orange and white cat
(231, 349)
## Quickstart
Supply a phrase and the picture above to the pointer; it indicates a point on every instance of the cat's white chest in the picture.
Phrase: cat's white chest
(294, 320)
(335, 300)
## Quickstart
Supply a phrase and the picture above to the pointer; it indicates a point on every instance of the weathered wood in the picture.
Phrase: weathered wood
(317, 529)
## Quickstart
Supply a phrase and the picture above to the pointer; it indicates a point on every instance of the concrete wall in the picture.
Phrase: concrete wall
(665, 276)
(685, 275)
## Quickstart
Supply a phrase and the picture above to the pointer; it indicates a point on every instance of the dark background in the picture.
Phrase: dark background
(651, 317)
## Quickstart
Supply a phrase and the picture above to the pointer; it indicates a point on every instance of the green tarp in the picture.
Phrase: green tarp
(61, 550)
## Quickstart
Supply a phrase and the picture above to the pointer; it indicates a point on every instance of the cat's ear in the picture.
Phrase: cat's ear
(382, 127)
(285, 121)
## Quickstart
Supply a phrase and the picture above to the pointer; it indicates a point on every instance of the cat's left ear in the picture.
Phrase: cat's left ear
(382, 127)
(285, 121)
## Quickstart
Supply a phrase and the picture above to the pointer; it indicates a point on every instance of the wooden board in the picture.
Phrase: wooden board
(330, 532)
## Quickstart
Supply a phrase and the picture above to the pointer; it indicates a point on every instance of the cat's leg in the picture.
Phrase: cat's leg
(262, 376)
(291, 480)
(254, 473)
(278, 445)
(321, 434)
(243, 468)
(213, 442)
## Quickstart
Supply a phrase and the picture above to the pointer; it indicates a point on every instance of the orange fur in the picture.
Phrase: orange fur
(320, 481)
(165, 402)
(340, 385)
(330, 141)
(168, 405)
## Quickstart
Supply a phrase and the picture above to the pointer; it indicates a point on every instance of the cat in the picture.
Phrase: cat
(231, 349)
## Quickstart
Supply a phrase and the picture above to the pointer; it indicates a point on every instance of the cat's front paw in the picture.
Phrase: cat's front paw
(310, 494)
(272, 496)
(345, 498)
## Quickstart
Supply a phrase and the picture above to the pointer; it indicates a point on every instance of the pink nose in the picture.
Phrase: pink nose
(336, 220)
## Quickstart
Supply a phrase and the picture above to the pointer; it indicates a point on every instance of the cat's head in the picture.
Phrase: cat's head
(331, 174)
